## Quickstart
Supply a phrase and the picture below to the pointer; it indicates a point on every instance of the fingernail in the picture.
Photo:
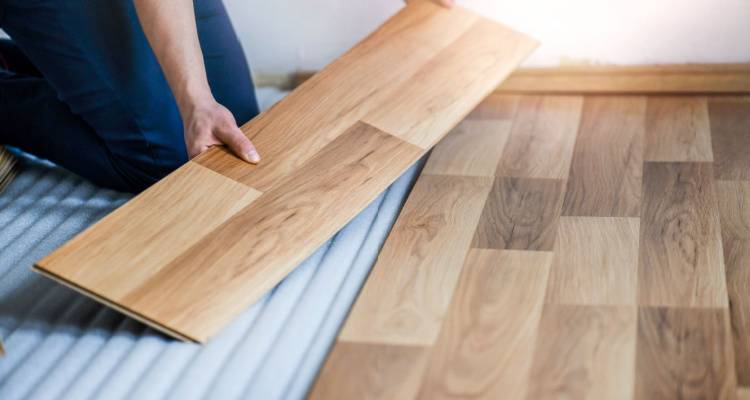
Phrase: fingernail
(252, 156)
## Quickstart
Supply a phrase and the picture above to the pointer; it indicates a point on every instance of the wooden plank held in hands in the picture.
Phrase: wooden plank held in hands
(194, 250)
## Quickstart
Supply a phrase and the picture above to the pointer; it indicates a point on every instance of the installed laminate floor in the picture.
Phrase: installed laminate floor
(581, 247)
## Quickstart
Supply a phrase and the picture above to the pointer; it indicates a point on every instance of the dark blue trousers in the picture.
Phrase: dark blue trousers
(80, 86)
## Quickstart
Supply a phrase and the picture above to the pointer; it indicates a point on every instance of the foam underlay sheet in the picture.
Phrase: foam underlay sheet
(62, 345)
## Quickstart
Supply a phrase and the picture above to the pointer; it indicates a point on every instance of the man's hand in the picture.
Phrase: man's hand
(170, 28)
(444, 3)
(208, 123)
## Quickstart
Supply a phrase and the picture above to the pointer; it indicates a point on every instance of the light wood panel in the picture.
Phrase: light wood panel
(423, 108)
(584, 352)
(520, 214)
(370, 371)
(677, 129)
(596, 262)
(409, 289)
(199, 247)
(605, 173)
(473, 148)
(487, 342)
(730, 135)
(640, 79)
(681, 262)
(684, 353)
(542, 139)
(734, 209)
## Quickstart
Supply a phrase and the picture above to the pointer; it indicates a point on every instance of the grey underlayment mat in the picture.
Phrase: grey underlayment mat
(62, 345)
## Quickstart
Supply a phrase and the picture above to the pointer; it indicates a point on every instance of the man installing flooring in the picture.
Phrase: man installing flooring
(123, 92)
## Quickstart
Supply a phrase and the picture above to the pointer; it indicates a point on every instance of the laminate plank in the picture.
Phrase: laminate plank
(370, 371)
(684, 353)
(227, 269)
(421, 111)
(542, 139)
(680, 262)
(743, 393)
(677, 129)
(133, 233)
(520, 214)
(409, 289)
(605, 172)
(473, 148)
(596, 262)
(487, 341)
(584, 352)
(310, 117)
(730, 136)
(322, 165)
(734, 210)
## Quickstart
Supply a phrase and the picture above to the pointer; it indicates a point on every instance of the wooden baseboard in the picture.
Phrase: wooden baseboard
(655, 79)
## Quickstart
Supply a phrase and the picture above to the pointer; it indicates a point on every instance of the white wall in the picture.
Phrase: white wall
(281, 36)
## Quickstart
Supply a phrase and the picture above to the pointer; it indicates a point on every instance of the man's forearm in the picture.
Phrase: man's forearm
(170, 28)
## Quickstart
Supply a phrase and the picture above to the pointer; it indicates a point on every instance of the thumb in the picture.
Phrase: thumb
(233, 137)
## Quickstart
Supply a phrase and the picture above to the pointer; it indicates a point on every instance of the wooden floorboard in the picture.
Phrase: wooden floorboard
(197, 248)
(487, 342)
(610, 265)
(520, 214)
(677, 129)
(605, 172)
(584, 352)
(734, 208)
(730, 135)
(684, 353)
(681, 262)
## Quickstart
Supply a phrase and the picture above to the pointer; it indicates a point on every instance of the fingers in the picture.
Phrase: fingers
(233, 137)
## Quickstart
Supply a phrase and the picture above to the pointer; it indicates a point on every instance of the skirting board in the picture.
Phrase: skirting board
(196, 249)
(647, 79)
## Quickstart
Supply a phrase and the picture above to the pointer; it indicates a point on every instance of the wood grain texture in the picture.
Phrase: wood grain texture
(681, 262)
(487, 341)
(322, 165)
(421, 111)
(370, 371)
(684, 354)
(730, 136)
(605, 172)
(473, 148)
(734, 209)
(133, 234)
(584, 352)
(542, 139)
(520, 214)
(639, 79)
(596, 262)
(240, 260)
(409, 289)
(677, 129)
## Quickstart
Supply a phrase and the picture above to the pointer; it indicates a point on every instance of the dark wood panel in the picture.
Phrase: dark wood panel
(605, 173)
(521, 214)
(684, 354)
(681, 261)
(730, 136)
(734, 209)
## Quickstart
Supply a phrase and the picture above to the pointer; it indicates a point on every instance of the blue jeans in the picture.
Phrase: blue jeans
(80, 86)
